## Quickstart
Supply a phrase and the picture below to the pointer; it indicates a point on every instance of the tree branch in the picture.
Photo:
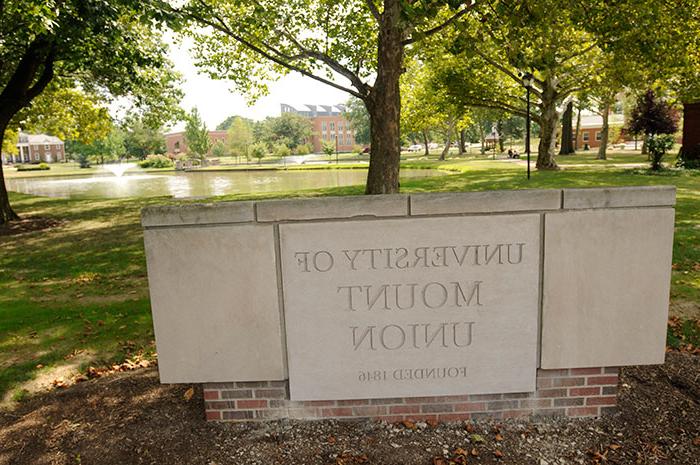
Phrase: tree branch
(440, 27)
(281, 59)
(506, 71)
(46, 76)
(336, 66)
(373, 9)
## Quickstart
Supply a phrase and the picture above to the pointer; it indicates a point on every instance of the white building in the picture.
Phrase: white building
(37, 148)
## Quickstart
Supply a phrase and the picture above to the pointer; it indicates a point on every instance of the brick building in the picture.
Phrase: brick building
(37, 148)
(176, 144)
(328, 124)
(592, 129)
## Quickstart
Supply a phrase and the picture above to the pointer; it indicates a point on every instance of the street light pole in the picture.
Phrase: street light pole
(527, 138)
(527, 82)
(336, 149)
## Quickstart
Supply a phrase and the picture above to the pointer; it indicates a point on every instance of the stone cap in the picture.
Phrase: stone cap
(404, 205)
(611, 197)
(332, 207)
(485, 201)
(198, 213)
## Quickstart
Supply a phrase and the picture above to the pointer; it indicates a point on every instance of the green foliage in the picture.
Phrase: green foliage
(109, 148)
(282, 150)
(67, 113)
(228, 122)
(659, 145)
(39, 167)
(328, 148)
(9, 142)
(140, 139)
(156, 161)
(303, 149)
(218, 149)
(258, 150)
(356, 114)
(289, 129)
(239, 137)
(197, 135)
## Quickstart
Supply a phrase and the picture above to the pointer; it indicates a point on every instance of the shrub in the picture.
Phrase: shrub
(39, 167)
(303, 149)
(156, 161)
(658, 146)
(328, 148)
(258, 150)
(689, 157)
(282, 150)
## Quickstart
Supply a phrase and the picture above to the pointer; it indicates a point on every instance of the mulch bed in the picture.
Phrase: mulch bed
(35, 223)
(129, 418)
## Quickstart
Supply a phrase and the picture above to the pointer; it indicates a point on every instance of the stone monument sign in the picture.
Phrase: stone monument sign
(433, 306)
(446, 306)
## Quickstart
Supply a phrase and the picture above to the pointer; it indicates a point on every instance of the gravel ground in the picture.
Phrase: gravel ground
(130, 418)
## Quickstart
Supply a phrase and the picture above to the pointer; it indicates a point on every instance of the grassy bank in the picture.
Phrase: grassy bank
(77, 295)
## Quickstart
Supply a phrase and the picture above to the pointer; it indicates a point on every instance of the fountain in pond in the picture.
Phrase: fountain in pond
(118, 169)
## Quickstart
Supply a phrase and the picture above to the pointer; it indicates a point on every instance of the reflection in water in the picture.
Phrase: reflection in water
(193, 184)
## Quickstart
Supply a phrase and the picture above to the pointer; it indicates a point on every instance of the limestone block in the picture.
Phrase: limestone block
(215, 303)
(630, 196)
(606, 287)
(411, 307)
(210, 213)
(485, 202)
(332, 207)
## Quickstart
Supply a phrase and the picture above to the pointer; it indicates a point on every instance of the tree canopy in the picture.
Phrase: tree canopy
(105, 48)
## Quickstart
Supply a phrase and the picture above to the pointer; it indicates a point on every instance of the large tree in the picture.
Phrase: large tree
(290, 130)
(107, 47)
(356, 113)
(509, 38)
(197, 135)
(355, 46)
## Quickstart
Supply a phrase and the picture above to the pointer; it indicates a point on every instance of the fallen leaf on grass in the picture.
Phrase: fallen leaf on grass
(499, 437)
(696, 441)
(498, 454)
(188, 394)
(474, 452)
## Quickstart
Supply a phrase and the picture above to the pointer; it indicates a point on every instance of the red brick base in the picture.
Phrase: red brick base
(576, 392)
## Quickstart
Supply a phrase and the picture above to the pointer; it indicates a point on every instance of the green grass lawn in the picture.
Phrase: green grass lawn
(77, 295)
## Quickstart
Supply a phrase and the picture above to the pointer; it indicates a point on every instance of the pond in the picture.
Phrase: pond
(194, 183)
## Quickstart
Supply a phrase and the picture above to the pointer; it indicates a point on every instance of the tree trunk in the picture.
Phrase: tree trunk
(578, 129)
(426, 142)
(384, 104)
(605, 132)
(499, 130)
(448, 141)
(33, 73)
(462, 141)
(645, 147)
(7, 214)
(482, 137)
(549, 122)
(567, 138)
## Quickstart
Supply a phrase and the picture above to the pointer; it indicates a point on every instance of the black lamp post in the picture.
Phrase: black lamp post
(527, 82)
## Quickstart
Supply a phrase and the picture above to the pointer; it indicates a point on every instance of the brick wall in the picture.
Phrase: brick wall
(576, 392)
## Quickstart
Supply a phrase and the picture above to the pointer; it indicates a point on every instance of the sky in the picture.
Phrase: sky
(215, 100)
